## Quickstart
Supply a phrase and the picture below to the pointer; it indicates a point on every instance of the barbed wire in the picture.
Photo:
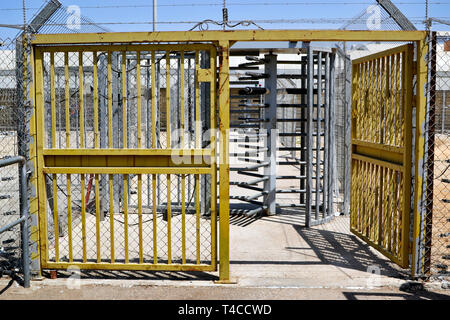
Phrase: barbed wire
(268, 21)
(306, 3)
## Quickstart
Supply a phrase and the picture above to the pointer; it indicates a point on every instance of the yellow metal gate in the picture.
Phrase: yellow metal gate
(381, 151)
(126, 147)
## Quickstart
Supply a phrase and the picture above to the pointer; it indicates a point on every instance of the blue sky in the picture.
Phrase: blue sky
(112, 11)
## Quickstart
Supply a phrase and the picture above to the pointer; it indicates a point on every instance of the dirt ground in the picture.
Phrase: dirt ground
(441, 210)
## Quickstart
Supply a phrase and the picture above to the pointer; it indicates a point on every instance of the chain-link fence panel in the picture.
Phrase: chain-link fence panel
(436, 224)
(11, 141)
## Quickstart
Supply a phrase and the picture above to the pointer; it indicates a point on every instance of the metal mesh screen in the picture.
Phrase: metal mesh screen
(435, 226)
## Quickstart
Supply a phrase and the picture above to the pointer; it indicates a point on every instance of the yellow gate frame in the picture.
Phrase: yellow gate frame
(223, 40)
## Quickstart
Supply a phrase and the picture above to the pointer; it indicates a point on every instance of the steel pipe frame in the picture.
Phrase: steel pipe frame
(24, 214)
(270, 113)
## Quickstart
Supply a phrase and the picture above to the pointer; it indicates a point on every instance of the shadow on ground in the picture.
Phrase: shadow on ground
(136, 275)
(346, 251)
(416, 295)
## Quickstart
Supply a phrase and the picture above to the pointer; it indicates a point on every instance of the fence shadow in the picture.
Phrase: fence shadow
(418, 295)
(346, 251)
(136, 275)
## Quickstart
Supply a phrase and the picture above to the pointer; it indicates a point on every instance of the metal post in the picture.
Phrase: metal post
(348, 131)
(326, 134)
(303, 137)
(103, 127)
(205, 105)
(224, 162)
(270, 171)
(332, 142)
(154, 15)
(158, 123)
(24, 213)
(309, 129)
(318, 129)
(149, 125)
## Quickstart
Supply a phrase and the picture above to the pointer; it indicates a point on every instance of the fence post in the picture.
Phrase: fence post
(224, 164)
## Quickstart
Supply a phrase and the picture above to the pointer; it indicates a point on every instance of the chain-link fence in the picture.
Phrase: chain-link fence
(436, 224)
(51, 17)
(10, 116)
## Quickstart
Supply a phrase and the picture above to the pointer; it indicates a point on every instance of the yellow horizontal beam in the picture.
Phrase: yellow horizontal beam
(127, 47)
(382, 163)
(379, 154)
(235, 35)
(104, 160)
(129, 266)
(381, 54)
(377, 146)
(127, 152)
(128, 170)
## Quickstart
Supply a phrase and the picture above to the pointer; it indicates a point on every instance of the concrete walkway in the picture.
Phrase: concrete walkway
(271, 258)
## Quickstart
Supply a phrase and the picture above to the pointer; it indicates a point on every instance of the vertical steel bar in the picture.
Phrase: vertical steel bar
(125, 216)
(55, 217)
(328, 96)
(153, 103)
(148, 133)
(155, 230)
(309, 140)
(25, 224)
(97, 216)
(183, 219)
(81, 95)
(213, 67)
(69, 215)
(182, 100)
(332, 137)
(392, 101)
(198, 133)
(318, 129)
(270, 113)
(407, 156)
(110, 112)
(141, 245)
(169, 220)
(83, 216)
(197, 216)
(111, 215)
(348, 131)
(60, 115)
(124, 102)
(138, 93)
(224, 165)
(66, 97)
(95, 84)
(303, 131)
(168, 115)
(52, 98)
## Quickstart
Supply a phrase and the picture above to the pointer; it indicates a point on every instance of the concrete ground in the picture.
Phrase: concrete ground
(271, 258)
